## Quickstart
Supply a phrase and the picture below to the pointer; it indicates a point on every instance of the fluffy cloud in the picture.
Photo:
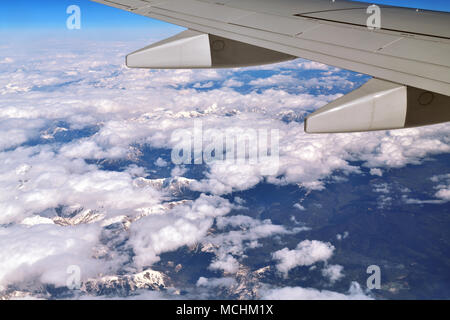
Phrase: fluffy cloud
(309, 160)
(36, 179)
(215, 282)
(297, 293)
(278, 79)
(227, 263)
(7, 60)
(376, 172)
(182, 226)
(443, 192)
(45, 252)
(312, 65)
(333, 272)
(244, 234)
(233, 83)
(306, 253)
(341, 237)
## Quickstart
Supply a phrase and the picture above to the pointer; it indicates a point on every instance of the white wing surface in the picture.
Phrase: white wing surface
(409, 55)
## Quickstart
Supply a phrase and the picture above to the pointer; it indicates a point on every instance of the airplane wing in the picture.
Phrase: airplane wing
(408, 54)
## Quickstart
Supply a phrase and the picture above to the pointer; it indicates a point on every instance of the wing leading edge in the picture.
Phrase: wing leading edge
(409, 55)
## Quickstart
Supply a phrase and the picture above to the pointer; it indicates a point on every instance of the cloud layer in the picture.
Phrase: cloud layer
(75, 189)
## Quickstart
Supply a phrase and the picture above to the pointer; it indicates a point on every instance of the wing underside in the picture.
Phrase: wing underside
(410, 51)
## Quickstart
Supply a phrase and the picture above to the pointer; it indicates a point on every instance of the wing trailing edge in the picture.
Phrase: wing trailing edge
(407, 57)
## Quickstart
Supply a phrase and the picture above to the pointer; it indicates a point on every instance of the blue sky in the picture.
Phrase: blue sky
(50, 14)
